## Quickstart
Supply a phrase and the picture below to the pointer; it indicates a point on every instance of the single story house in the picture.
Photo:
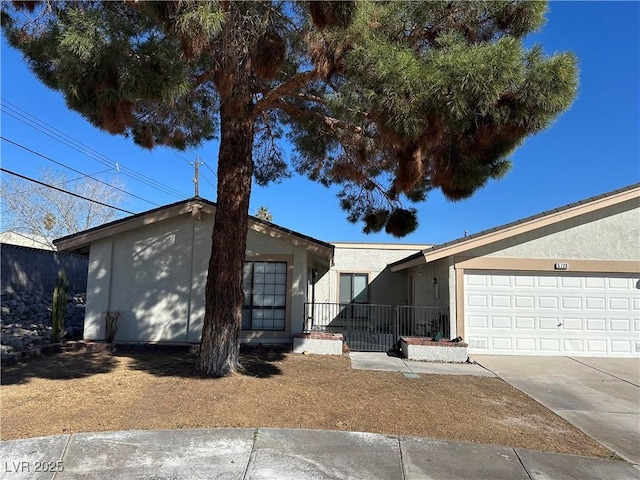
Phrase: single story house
(564, 282)
(152, 268)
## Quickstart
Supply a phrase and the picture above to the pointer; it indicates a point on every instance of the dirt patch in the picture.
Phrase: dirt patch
(82, 391)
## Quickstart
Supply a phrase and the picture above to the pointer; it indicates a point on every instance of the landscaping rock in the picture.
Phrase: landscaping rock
(26, 319)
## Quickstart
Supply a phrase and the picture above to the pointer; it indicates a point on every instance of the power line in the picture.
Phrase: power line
(89, 152)
(180, 156)
(63, 191)
(77, 171)
(210, 169)
(37, 124)
(208, 181)
(66, 182)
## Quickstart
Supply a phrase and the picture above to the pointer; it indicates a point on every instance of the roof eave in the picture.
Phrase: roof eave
(82, 240)
(528, 224)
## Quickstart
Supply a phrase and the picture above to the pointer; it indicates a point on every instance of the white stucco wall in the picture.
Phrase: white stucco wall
(98, 288)
(155, 276)
(385, 287)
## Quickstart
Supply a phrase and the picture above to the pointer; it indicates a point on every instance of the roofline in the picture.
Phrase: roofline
(523, 225)
(382, 246)
(194, 206)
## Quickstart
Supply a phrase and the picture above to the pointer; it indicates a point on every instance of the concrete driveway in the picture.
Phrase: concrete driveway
(600, 396)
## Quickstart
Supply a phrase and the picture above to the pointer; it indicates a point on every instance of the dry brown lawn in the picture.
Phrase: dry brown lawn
(85, 391)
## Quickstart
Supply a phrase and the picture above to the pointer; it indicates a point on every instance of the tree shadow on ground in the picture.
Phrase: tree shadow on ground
(262, 364)
(60, 366)
(257, 362)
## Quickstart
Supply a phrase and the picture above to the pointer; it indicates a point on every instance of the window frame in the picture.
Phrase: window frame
(350, 310)
(353, 275)
(250, 306)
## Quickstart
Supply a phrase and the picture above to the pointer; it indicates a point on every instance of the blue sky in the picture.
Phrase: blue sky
(592, 148)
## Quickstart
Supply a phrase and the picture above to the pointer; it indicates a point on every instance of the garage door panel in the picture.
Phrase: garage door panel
(525, 323)
(549, 345)
(618, 283)
(525, 345)
(525, 281)
(549, 323)
(478, 321)
(477, 300)
(504, 344)
(548, 302)
(570, 283)
(547, 282)
(476, 280)
(572, 324)
(596, 324)
(500, 301)
(596, 303)
(594, 282)
(597, 346)
(571, 303)
(525, 301)
(621, 346)
(500, 281)
(572, 345)
(552, 313)
(620, 304)
(620, 325)
(501, 323)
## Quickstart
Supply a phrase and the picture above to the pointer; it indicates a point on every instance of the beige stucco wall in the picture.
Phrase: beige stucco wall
(155, 276)
(385, 287)
(612, 233)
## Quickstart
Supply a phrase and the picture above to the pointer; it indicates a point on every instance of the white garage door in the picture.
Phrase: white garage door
(519, 313)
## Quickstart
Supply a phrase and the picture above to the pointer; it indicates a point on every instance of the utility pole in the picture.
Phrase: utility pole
(196, 175)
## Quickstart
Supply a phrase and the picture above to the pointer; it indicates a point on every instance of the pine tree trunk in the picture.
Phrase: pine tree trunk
(220, 343)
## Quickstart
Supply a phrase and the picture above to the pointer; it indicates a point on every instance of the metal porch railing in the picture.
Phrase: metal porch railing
(372, 327)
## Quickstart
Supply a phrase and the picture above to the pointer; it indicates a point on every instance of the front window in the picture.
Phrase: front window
(265, 295)
(353, 288)
(353, 291)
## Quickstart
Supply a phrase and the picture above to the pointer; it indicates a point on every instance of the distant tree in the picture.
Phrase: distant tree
(386, 99)
(45, 213)
(263, 213)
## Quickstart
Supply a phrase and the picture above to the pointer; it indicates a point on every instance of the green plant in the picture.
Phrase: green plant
(59, 306)
(111, 320)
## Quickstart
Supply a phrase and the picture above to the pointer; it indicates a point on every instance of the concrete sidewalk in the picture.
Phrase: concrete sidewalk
(282, 454)
(391, 363)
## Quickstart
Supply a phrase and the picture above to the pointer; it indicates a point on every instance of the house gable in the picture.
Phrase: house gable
(601, 227)
(609, 233)
(199, 209)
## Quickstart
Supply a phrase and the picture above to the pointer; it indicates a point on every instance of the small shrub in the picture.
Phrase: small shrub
(59, 306)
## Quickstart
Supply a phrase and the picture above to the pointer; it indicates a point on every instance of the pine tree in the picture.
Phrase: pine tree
(386, 99)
